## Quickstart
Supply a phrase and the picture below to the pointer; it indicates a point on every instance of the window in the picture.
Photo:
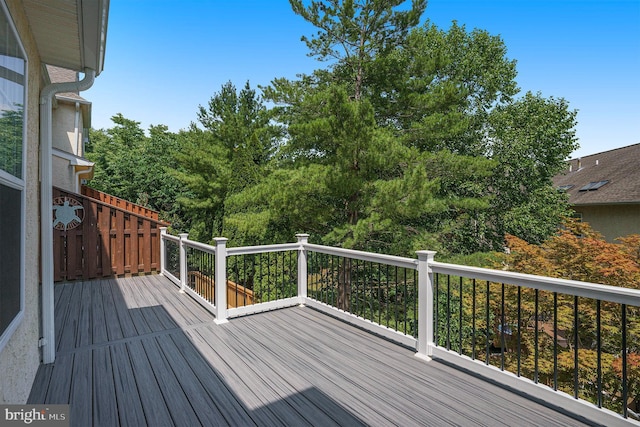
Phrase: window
(565, 187)
(13, 67)
(592, 186)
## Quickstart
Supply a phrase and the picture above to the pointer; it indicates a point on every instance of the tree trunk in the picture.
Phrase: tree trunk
(344, 285)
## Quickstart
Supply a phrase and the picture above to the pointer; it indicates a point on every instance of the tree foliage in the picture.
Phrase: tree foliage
(230, 154)
(411, 137)
(438, 87)
(577, 252)
(136, 167)
(355, 32)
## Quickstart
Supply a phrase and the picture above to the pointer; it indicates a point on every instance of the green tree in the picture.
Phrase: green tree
(136, 167)
(228, 155)
(116, 153)
(354, 32)
(530, 140)
(438, 87)
(372, 192)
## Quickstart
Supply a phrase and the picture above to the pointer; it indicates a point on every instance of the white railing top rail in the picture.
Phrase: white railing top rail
(393, 260)
(171, 238)
(609, 293)
(615, 294)
(201, 246)
(249, 250)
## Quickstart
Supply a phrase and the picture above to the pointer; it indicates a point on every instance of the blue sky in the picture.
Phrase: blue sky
(165, 58)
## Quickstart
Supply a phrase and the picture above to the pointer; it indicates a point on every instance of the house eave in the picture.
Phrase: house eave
(70, 33)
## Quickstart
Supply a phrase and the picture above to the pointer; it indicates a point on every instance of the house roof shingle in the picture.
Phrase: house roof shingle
(620, 167)
(62, 75)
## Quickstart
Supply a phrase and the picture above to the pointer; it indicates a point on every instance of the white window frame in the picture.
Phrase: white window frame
(18, 184)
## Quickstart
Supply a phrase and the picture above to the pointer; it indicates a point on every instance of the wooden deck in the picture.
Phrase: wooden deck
(135, 352)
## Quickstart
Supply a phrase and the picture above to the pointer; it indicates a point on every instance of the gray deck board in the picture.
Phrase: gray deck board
(112, 321)
(84, 328)
(62, 294)
(125, 316)
(81, 385)
(130, 408)
(67, 329)
(98, 321)
(134, 352)
(105, 409)
(151, 398)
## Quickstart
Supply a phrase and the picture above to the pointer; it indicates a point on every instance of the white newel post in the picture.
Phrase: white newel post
(163, 250)
(220, 280)
(425, 305)
(183, 261)
(303, 239)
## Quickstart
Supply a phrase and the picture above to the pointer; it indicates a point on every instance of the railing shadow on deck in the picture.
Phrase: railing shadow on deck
(486, 321)
(123, 360)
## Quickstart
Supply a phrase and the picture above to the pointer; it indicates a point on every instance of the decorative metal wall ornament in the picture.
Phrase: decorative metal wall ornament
(68, 213)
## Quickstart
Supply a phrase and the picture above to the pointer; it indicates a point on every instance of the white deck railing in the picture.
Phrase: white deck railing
(424, 343)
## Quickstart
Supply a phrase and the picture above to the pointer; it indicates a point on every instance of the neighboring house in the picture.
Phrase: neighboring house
(71, 123)
(65, 33)
(604, 190)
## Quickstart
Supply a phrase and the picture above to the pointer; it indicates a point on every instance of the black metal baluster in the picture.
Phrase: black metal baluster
(330, 277)
(405, 296)
(292, 278)
(261, 284)
(487, 331)
(385, 295)
(357, 289)
(415, 303)
(576, 346)
(624, 361)
(379, 296)
(502, 332)
(448, 312)
(555, 341)
(460, 319)
(395, 298)
(519, 351)
(243, 281)
(436, 308)
(535, 339)
(268, 277)
(599, 353)
(473, 320)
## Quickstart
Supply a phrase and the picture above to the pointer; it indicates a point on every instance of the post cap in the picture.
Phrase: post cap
(426, 255)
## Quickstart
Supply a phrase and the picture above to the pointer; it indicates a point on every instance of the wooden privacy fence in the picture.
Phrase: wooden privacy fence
(92, 238)
(119, 203)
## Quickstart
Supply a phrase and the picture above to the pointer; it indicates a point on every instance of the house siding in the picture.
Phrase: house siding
(20, 358)
(63, 136)
(612, 221)
(63, 174)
